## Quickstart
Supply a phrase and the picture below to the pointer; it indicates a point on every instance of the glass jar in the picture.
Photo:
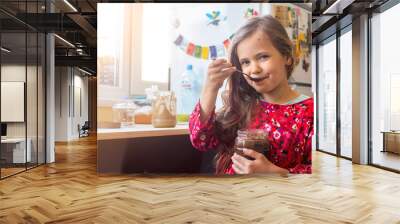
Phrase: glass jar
(255, 139)
(164, 110)
(143, 115)
(124, 113)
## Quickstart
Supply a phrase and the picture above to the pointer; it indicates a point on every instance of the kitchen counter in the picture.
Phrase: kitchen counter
(141, 130)
(144, 148)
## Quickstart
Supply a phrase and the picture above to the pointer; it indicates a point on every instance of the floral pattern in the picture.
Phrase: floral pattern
(289, 128)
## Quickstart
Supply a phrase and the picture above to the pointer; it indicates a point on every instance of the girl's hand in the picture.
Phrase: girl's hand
(218, 71)
(261, 164)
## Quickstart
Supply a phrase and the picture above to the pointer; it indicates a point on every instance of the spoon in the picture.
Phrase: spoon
(251, 78)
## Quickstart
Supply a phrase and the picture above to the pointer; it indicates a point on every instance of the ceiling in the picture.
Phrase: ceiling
(330, 15)
(74, 21)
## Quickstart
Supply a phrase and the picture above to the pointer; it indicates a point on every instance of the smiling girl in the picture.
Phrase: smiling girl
(262, 99)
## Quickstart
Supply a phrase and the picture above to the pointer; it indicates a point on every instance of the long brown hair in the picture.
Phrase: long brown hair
(241, 100)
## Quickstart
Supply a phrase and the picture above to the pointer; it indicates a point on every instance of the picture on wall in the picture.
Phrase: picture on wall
(12, 101)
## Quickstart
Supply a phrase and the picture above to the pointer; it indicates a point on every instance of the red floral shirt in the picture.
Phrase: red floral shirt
(289, 128)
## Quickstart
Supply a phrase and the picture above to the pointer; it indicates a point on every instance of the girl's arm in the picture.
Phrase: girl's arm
(217, 72)
(201, 123)
(202, 130)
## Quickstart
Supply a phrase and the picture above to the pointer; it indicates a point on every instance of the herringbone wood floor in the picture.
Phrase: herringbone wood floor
(70, 191)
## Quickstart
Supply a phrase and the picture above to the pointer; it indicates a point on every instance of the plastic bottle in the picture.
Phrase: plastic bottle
(187, 96)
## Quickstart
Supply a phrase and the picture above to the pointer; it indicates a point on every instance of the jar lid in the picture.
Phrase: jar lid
(252, 133)
(126, 105)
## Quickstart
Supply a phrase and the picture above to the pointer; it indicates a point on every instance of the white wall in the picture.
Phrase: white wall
(67, 115)
(79, 117)
(314, 90)
(61, 103)
(187, 15)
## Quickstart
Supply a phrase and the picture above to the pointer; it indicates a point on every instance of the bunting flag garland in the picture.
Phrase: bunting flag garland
(203, 52)
(213, 52)
(183, 45)
(190, 49)
(250, 12)
(178, 40)
(226, 43)
(197, 52)
(220, 51)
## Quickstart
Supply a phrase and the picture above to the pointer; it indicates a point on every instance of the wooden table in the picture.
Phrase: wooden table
(146, 149)
(14, 151)
(391, 141)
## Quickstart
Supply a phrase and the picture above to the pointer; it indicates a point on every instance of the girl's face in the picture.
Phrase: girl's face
(259, 58)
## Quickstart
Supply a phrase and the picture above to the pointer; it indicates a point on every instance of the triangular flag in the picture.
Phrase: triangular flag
(178, 40)
(197, 51)
(226, 43)
(204, 52)
(183, 45)
(220, 51)
(213, 52)
(190, 49)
